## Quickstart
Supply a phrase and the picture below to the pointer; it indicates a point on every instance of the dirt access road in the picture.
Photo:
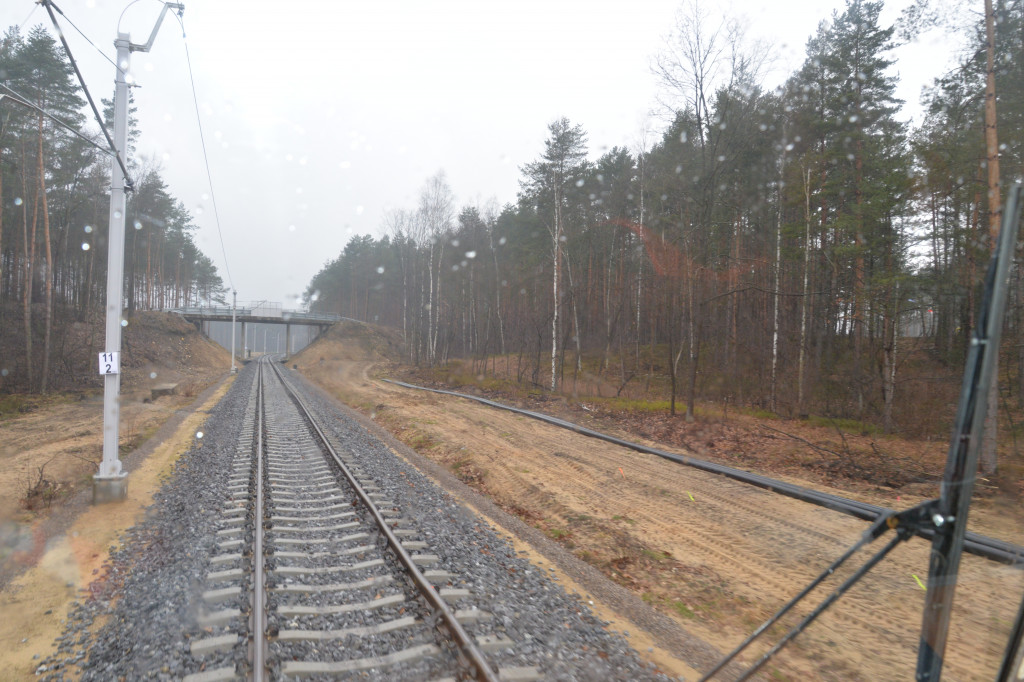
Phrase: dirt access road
(716, 556)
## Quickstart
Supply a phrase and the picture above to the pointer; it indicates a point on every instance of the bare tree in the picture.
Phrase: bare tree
(437, 210)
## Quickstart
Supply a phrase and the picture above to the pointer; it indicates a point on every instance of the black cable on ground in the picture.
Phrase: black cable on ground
(980, 545)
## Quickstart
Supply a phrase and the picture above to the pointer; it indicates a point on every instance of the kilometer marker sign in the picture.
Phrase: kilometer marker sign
(110, 363)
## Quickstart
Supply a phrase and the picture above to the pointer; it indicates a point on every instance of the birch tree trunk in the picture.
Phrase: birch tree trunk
(800, 407)
(775, 298)
(557, 264)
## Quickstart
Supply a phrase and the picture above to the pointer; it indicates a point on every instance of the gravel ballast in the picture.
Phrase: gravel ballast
(139, 620)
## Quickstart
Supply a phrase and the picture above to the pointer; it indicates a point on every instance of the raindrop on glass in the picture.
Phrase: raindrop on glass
(579, 183)
(380, 269)
(3, 372)
(117, 214)
(124, 323)
(291, 228)
(199, 434)
(471, 254)
(501, 242)
(17, 201)
(88, 229)
(152, 375)
(85, 246)
(138, 225)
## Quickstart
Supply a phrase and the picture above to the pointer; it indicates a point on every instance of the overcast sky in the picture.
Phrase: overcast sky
(321, 115)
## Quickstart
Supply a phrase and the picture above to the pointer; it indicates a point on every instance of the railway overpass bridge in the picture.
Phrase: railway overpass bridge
(262, 313)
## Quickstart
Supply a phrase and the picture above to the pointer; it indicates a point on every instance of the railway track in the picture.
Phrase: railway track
(342, 582)
(289, 543)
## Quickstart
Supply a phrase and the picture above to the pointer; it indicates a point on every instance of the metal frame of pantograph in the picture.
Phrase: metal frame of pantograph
(945, 516)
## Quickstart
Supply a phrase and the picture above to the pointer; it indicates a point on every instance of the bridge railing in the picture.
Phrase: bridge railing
(286, 315)
(203, 311)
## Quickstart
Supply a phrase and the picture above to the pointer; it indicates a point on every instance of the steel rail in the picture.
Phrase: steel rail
(980, 545)
(467, 648)
(259, 615)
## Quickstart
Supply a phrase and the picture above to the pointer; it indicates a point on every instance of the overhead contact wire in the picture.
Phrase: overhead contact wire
(21, 99)
(88, 40)
(206, 158)
(129, 186)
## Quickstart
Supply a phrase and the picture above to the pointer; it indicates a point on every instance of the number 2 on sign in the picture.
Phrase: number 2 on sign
(110, 363)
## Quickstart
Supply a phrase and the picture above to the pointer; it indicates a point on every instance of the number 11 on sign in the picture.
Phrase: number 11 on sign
(110, 363)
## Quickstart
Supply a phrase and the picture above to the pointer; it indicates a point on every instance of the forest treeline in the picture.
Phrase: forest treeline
(54, 216)
(789, 249)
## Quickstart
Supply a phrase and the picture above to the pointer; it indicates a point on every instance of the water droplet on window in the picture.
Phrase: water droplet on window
(291, 228)
(579, 183)
(471, 254)
(124, 323)
(138, 225)
(4, 372)
(359, 210)
(117, 214)
(152, 375)
(199, 434)
(522, 292)
(85, 246)
(88, 229)
(501, 242)
(380, 269)
(17, 201)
